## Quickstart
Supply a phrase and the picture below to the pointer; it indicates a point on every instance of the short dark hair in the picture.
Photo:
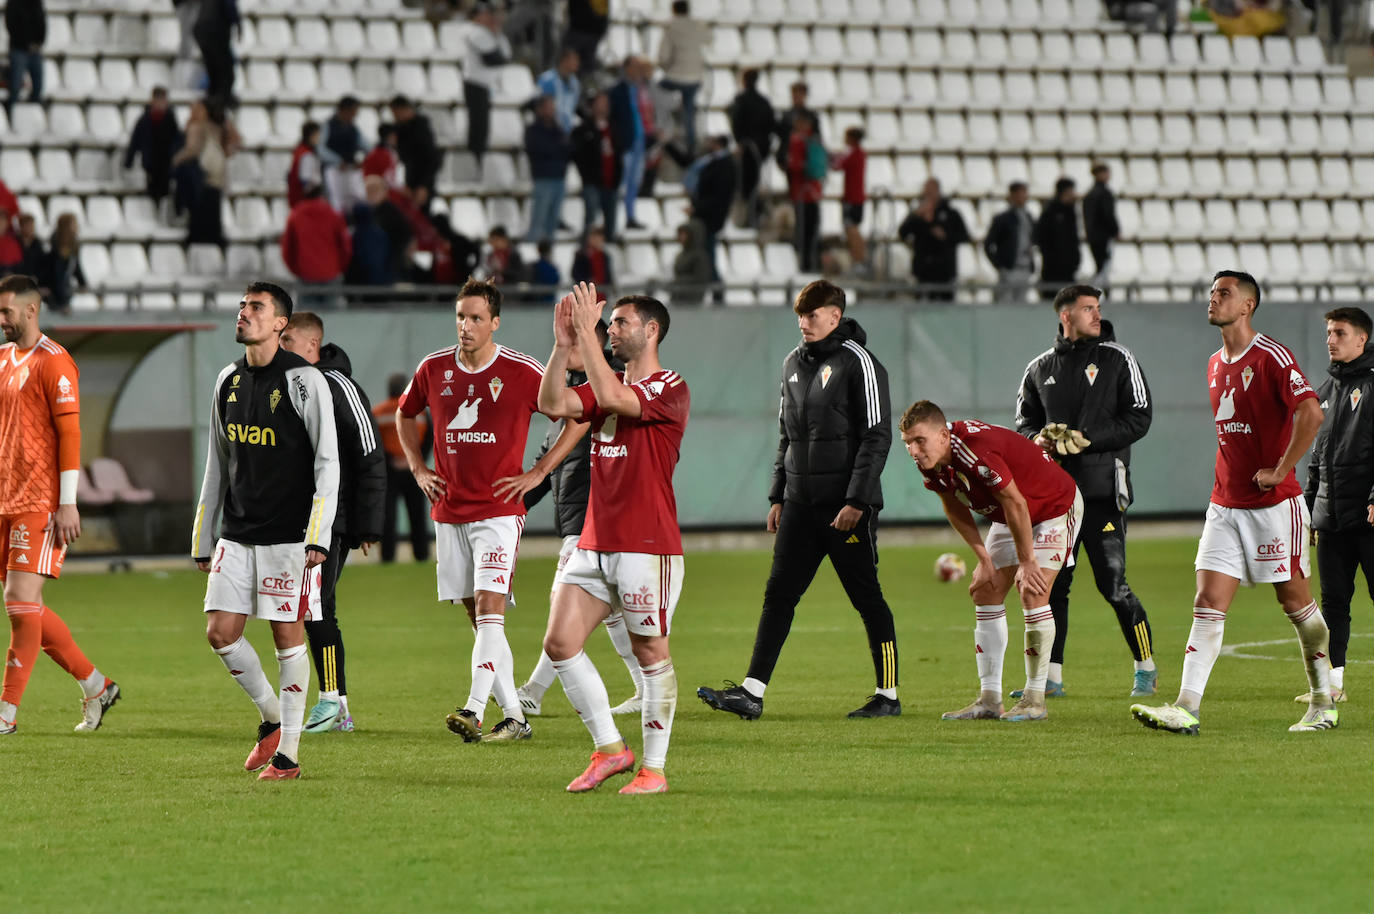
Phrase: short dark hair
(384, 131)
(1355, 317)
(19, 284)
(1248, 284)
(750, 77)
(401, 101)
(1070, 294)
(918, 412)
(159, 91)
(800, 86)
(396, 384)
(308, 128)
(307, 320)
(1064, 184)
(475, 288)
(854, 133)
(649, 309)
(280, 297)
(1014, 186)
(347, 102)
(544, 247)
(498, 231)
(819, 293)
(681, 7)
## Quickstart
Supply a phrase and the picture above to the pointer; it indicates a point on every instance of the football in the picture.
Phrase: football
(949, 567)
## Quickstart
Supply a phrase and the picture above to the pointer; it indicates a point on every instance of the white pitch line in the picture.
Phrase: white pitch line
(1236, 650)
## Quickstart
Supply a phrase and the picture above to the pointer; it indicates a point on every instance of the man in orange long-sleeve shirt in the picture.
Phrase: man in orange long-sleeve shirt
(40, 461)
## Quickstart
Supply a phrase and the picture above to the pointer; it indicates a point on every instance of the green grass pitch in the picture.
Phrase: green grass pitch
(801, 810)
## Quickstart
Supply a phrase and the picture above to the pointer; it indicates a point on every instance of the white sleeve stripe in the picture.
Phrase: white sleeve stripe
(963, 451)
(442, 352)
(1025, 374)
(360, 418)
(1275, 349)
(870, 376)
(523, 359)
(1142, 400)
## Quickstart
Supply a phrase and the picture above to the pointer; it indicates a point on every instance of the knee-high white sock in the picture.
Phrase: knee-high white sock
(587, 694)
(486, 655)
(1315, 639)
(990, 645)
(243, 664)
(620, 637)
(1039, 638)
(542, 677)
(1204, 647)
(294, 663)
(660, 701)
(503, 686)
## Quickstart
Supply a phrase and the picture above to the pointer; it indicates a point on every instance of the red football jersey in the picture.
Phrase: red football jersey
(481, 420)
(988, 457)
(1253, 398)
(631, 507)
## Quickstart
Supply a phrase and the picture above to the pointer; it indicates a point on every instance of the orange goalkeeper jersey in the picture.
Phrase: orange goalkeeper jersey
(35, 388)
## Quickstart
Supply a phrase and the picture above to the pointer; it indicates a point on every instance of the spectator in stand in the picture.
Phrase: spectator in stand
(341, 149)
(544, 273)
(214, 20)
(934, 230)
(399, 235)
(633, 131)
(27, 23)
(32, 245)
(549, 151)
(1009, 246)
(561, 82)
(853, 162)
(61, 274)
(1056, 235)
(382, 162)
(316, 247)
(211, 139)
(752, 123)
(11, 251)
(682, 58)
(692, 268)
(783, 125)
(399, 481)
(371, 261)
(502, 264)
(8, 201)
(588, 21)
(187, 72)
(712, 193)
(1099, 223)
(306, 169)
(417, 149)
(600, 163)
(155, 139)
(488, 50)
(804, 179)
(592, 263)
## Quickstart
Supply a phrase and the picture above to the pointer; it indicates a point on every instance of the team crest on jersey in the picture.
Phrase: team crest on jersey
(448, 374)
(234, 382)
(1091, 372)
(495, 385)
(64, 390)
(988, 475)
(1297, 382)
(1355, 399)
(826, 372)
(274, 398)
(1246, 376)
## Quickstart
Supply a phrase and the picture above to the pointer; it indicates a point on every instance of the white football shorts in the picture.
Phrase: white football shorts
(645, 587)
(1054, 540)
(267, 582)
(1256, 545)
(564, 553)
(479, 555)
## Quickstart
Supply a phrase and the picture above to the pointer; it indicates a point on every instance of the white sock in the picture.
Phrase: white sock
(542, 677)
(486, 657)
(93, 684)
(329, 696)
(587, 694)
(8, 712)
(990, 645)
(1039, 639)
(753, 686)
(294, 663)
(1204, 647)
(1148, 665)
(503, 686)
(620, 637)
(1056, 673)
(243, 664)
(1338, 677)
(1315, 639)
(343, 705)
(890, 694)
(660, 701)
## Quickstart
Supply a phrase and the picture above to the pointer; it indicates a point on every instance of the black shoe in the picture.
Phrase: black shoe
(878, 706)
(632, 224)
(734, 699)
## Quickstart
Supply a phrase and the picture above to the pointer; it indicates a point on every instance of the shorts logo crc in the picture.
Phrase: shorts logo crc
(1276, 548)
(642, 598)
(494, 558)
(19, 537)
(1050, 538)
(278, 585)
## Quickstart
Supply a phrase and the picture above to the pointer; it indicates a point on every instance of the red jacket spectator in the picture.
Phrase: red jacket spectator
(802, 188)
(9, 203)
(316, 245)
(853, 162)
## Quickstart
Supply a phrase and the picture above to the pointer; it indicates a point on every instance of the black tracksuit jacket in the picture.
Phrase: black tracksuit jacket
(1340, 476)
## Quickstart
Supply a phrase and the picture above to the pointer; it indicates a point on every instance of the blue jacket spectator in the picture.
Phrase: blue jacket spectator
(561, 82)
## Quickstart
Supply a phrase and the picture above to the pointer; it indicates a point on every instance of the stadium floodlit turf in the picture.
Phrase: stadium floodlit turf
(802, 809)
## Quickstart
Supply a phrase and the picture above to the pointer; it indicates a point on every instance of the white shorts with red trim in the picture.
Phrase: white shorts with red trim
(1054, 540)
(1256, 545)
(479, 555)
(646, 587)
(266, 582)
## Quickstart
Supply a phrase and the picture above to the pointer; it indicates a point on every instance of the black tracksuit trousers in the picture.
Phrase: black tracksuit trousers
(1103, 536)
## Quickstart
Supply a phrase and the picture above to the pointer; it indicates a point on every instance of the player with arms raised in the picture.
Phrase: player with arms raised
(630, 550)
(1266, 416)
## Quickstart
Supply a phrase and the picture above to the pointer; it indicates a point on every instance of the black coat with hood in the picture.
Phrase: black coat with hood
(362, 470)
(1340, 476)
(834, 423)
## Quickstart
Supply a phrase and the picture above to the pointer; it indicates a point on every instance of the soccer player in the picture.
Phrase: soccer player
(570, 482)
(40, 460)
(357, 519)
(834, 432)
(630, 551)
(481, 396)
(1340, 480)
(1035, 510)
(272, 471)
(1090, 386)
(1256, 531)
